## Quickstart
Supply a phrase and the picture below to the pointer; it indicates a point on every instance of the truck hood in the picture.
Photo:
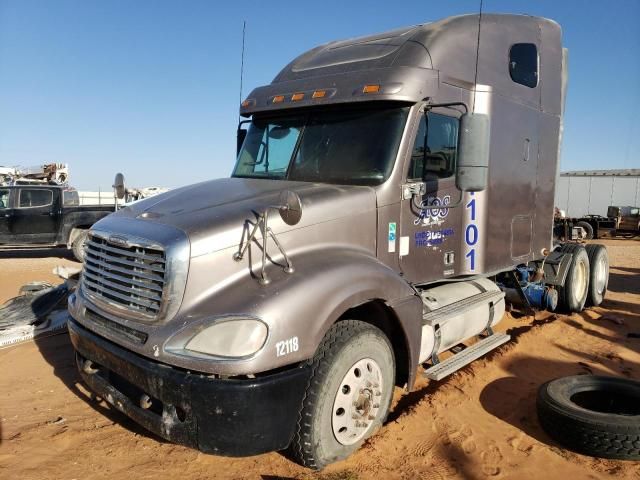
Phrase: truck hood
(215, 214)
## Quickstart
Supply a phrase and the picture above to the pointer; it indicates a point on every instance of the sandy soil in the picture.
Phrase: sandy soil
(479, 423)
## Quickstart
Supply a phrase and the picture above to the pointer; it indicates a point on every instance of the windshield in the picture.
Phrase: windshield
(356, 147)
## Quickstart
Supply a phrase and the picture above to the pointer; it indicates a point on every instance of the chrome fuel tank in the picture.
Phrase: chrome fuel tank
(458, 311)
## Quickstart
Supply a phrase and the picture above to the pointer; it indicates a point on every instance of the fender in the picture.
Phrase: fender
(78, 219)
(303, 305)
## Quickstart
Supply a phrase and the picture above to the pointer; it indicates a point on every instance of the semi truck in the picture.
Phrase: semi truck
(390, 194)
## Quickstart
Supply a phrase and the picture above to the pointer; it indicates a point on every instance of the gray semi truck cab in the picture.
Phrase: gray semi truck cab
(386, 199)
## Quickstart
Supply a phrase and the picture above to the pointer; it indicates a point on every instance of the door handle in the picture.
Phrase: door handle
(525, 153)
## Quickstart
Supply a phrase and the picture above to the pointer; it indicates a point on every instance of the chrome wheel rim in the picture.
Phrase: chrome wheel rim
(601, 274)
(580, 279)
(357, 401)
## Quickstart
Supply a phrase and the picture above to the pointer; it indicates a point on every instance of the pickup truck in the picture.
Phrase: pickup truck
(387, 199)
(37, 216)
(627, 219)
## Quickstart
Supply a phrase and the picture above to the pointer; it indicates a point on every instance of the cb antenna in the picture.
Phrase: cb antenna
(475, 81)
(244, 26)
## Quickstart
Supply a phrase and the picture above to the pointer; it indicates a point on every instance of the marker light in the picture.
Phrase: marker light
(278, 99)
(297, 96)
(319, 94)
(371, 89)
(246, 103)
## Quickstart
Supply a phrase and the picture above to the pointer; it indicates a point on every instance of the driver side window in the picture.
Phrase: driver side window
(4, 199)
(435, 149)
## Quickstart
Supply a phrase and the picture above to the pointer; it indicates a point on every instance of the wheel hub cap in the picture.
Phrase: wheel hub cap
(601, 275)
(357, 402)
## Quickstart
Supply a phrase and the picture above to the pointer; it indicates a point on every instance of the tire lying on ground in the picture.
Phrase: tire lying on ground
(572, 295)
(599, 274)
(594, 415)
(348, 396)
(588, 229)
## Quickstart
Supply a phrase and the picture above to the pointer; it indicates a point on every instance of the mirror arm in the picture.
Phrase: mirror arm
(446, 105)
(266, 232)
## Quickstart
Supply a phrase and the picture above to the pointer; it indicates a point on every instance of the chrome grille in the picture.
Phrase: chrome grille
(125, 276)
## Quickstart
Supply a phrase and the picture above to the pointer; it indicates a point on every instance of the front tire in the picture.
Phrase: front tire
(572, 295)
(78, 245)
(348, 396)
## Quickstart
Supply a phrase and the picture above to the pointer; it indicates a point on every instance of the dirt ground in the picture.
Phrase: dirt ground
(479, 423)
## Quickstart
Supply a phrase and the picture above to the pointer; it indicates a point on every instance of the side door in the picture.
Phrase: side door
(35, 218)
(5, 214)
(429, 245)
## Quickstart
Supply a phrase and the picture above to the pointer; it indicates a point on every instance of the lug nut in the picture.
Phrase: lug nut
(375, 405)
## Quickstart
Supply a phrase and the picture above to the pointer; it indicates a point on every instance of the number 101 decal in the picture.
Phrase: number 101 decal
(471, 234)
(285, 347)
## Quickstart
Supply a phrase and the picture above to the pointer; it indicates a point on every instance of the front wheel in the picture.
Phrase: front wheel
(348, 396)
(78, 245)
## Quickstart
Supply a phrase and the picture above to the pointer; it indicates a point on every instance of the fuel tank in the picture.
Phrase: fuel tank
(458, 311)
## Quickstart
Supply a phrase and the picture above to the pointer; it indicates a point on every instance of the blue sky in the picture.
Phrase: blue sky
(151, 88)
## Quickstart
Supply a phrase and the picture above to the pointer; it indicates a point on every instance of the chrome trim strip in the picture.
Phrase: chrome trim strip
(148, 276)
(91, 250)
(138, 301)
(100, 282)
(114, 276)
(126, 253)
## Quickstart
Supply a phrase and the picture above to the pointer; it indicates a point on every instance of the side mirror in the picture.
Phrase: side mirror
(242, 133)
(290, 207)
(118, 186)
(472, 172)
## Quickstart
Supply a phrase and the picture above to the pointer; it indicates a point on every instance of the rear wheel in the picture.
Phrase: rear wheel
(599, 274)
(588, 228)
(78, 245)
(348, 396)
(572, 295)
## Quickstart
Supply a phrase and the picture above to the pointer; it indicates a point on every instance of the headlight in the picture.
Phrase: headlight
(230, 338)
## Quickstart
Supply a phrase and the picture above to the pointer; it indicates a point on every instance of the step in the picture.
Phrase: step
(466, 356)
(441, 315)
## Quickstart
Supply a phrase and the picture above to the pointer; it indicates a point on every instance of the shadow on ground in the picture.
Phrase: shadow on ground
(513, 399)
(625, 283)
(39, 253)
(58, 352)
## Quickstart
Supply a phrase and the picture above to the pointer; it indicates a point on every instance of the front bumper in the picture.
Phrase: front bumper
(234, 417)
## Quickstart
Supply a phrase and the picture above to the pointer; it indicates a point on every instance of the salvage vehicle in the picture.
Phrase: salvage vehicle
(42, 215)
(627, 219)
(387, 197)
(582, 228)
